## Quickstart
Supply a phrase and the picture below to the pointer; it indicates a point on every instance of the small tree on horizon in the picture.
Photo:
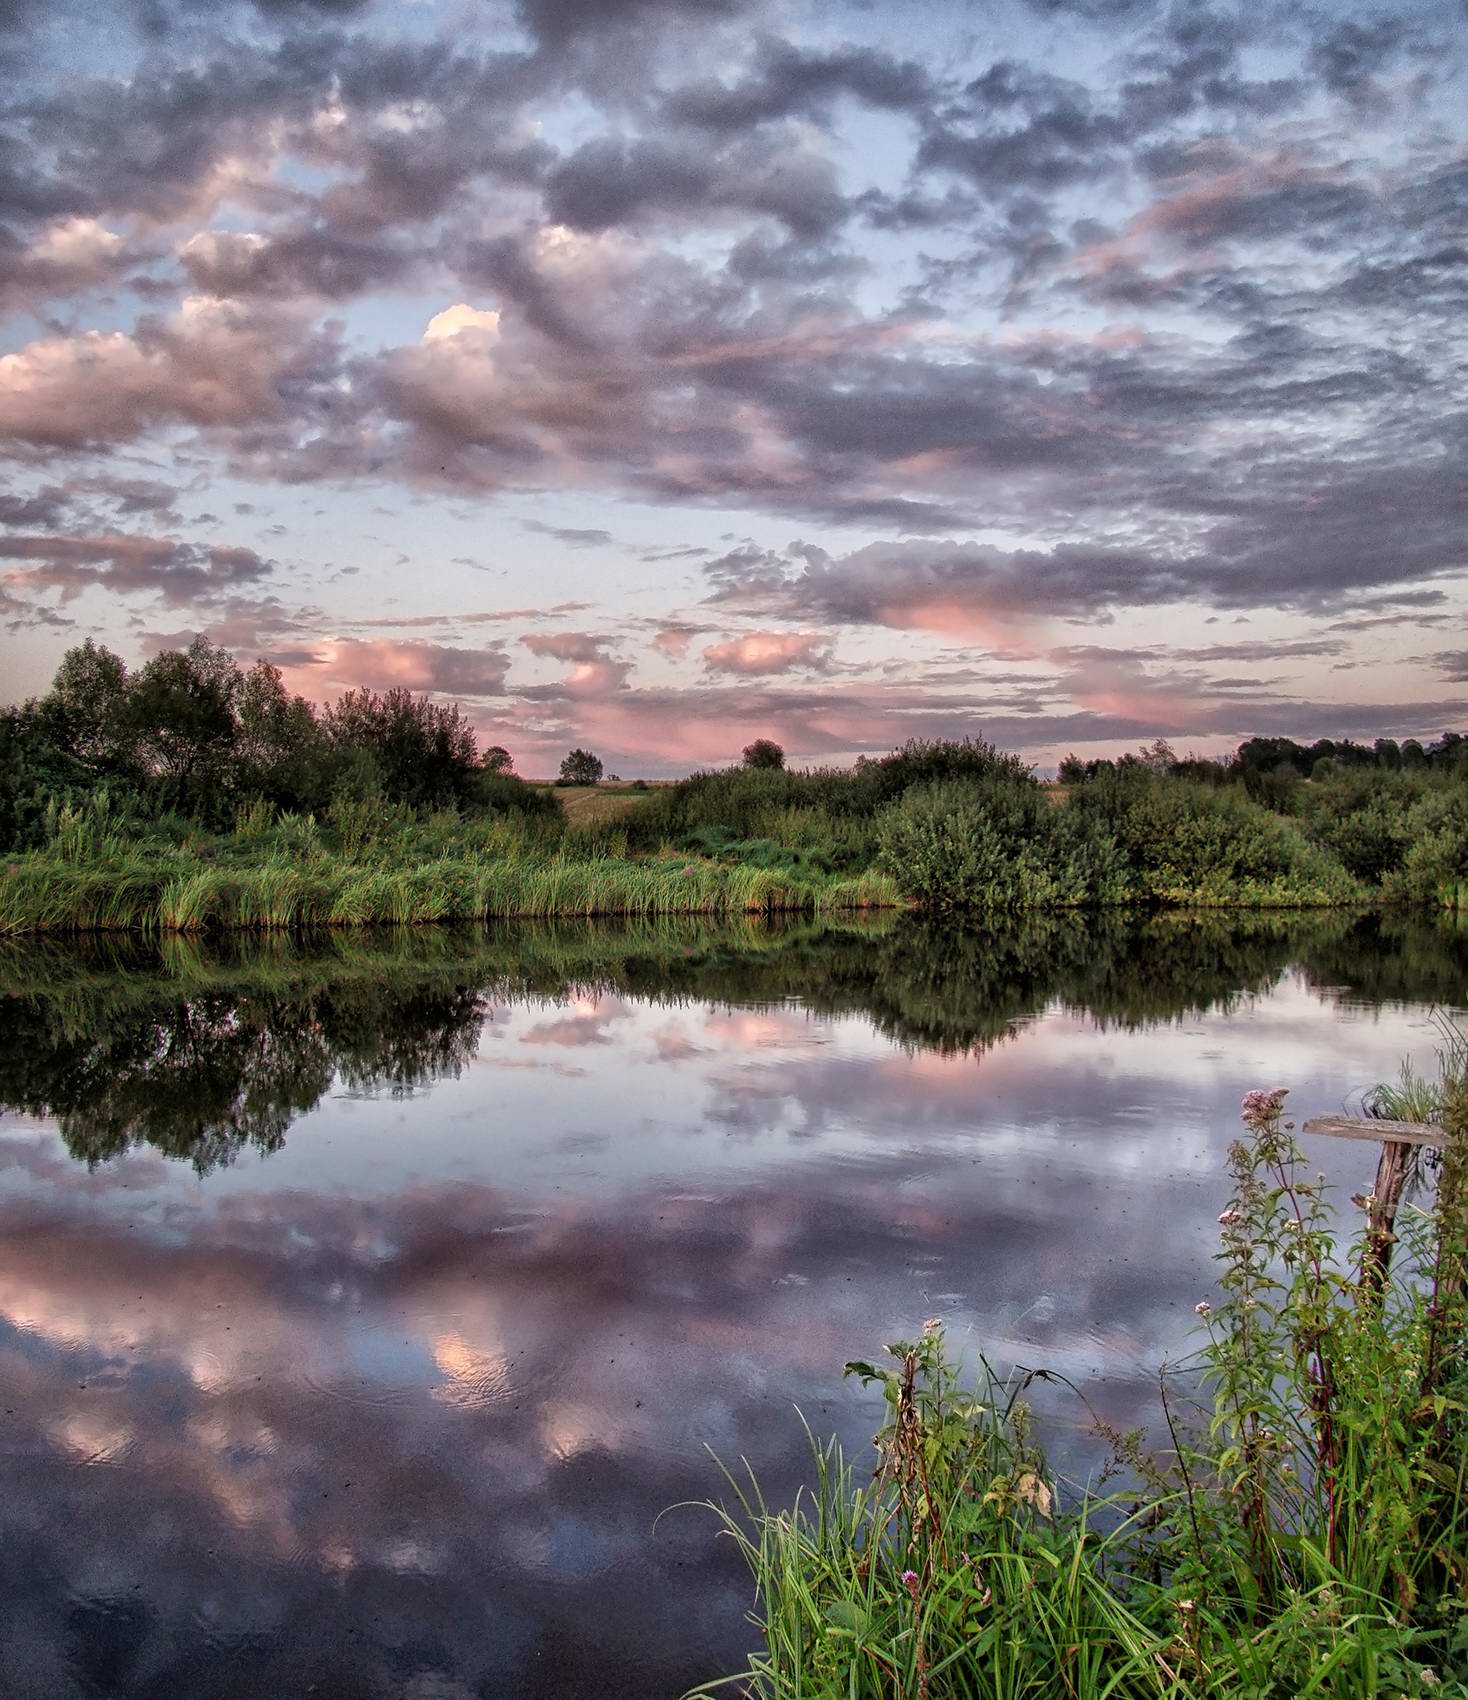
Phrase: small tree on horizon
(764, 753)
(497, 759)
(580, 767)
(1159, 755)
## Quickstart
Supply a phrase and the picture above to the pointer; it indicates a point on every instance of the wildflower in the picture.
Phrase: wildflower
(1230, 1218)
(1185, 1605)
(910, 1582)
(1203, 1308)
(1260, 1107)
(1429, 1677)
(933, 1325)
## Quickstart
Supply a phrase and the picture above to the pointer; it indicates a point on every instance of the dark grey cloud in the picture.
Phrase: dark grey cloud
(614, 181)
(150, 145)
(783, 80)
(1018, 128)
(316, 261)
(1353, 51)
(939, 584)
(45, 507)
(180, 573)
(558, 23)
(575, 536)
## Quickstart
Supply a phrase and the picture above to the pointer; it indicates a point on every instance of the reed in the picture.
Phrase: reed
(183, 893)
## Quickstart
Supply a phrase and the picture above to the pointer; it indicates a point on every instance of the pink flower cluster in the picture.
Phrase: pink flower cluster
(1260, 1107)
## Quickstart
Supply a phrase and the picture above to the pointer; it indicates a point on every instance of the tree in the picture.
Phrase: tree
(497, 759)
(181, 707)
(34, 770)
(85, 713)
(1072, 770)
(426, 753)
(764, 753)
(280, 744)
(580, 767)
(1159, 755)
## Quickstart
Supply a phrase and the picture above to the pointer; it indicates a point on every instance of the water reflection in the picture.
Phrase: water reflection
(201, 1051)
(402, 1281)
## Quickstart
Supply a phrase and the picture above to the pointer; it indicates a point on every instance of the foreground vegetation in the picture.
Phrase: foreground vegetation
(192, 794)
(1305, 1533)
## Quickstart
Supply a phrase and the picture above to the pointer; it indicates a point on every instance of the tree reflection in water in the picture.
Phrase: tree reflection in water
(202, 1050)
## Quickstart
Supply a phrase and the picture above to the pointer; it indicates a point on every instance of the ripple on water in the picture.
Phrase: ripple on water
(376, 1361)
(92, 1440)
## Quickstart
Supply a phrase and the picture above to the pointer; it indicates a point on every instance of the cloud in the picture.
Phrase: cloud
(1137, 307)
(66, 257)
(213, 365)
(557, 23)
(963, 589)
(783, 80)
(674, 638)
(575, 537)
(614, 182)
(594, 673)
(181, 573)
(311, 262)
(341, 663)
(758, 653)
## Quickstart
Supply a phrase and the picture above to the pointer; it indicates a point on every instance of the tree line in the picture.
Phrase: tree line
(1284, 759)
(193, 733)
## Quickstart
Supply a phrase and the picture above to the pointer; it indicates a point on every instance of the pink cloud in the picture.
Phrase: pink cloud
(340, 663)
(214, 364)
(760, 653)
(674, 641)
(593, 673)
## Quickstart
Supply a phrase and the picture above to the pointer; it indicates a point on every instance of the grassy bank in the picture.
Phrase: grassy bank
(183, 892)
(951, 828)
(1305, 1533)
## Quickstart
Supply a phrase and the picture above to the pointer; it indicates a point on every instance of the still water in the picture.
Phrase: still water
(363, 1303)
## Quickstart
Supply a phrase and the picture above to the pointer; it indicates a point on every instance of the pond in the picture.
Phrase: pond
(364, 1301)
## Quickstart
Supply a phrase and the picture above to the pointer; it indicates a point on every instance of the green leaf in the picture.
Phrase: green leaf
(847, 1618)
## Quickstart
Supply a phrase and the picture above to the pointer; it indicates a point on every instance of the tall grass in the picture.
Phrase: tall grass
(183, 893)
(1304, 1534)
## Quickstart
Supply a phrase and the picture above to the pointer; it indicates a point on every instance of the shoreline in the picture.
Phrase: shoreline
(44, 896)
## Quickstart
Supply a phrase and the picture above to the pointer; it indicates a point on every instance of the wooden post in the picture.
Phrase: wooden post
(1398, 1140)
(1386, 1195)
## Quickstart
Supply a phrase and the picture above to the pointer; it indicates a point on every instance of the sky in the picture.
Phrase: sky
(652, 375)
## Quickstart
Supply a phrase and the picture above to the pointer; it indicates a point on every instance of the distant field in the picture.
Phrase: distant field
(597, 802)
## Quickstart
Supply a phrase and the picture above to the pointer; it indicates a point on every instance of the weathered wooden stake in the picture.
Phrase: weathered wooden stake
(1398, 1139)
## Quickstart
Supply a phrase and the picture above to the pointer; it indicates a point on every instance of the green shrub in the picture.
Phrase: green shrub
(1188, 843)
(508, 794)
(995, 844)
(1434, 868)
(1362, 817)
